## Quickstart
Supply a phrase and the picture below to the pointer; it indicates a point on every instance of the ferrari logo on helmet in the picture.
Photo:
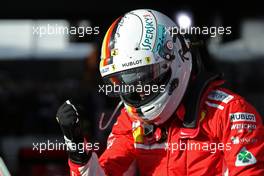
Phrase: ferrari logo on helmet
(114, 52)
(113, 67)
(148, 59)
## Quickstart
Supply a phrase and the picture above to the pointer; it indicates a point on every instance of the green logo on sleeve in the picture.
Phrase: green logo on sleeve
(245, 158)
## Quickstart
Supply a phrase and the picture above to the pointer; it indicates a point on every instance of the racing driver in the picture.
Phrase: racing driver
(189, 124)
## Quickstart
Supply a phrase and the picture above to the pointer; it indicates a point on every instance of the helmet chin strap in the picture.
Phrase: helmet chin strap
(101, 127)
(102, 117)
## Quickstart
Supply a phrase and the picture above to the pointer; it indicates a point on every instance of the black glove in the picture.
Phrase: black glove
(69, 121)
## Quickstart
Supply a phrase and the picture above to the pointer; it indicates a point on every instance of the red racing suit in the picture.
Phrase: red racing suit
(227, 140)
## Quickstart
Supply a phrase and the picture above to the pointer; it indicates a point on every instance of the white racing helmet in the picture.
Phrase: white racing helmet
(147, 65)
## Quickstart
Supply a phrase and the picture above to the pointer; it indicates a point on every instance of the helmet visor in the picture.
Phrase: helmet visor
(139, 85)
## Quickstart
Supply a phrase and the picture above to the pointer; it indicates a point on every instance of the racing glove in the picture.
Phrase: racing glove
(69, 120)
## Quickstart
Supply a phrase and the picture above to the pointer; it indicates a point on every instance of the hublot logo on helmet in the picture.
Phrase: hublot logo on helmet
(132, 63)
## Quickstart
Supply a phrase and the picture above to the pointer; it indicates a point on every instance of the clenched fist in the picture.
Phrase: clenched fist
(69, 121)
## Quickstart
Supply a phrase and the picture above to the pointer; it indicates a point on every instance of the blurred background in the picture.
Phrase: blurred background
(39, 72)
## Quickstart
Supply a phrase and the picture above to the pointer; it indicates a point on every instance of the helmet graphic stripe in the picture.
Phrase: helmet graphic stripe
(106, 48)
